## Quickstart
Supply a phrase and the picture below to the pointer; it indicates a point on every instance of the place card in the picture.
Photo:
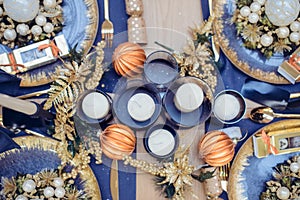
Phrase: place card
(289, 69)
(285, 141)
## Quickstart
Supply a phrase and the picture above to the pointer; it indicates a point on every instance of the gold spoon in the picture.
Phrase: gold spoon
(266, 115)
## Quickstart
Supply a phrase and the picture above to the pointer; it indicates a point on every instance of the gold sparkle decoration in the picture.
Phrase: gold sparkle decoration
(251, 33)
(177, 173)
(72, 79)
(197, 57)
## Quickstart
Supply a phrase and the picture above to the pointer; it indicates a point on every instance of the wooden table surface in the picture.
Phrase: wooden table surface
(168, 22)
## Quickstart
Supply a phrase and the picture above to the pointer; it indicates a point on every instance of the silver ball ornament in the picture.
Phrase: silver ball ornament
(253, 18)
(48, 192)
(266, 40)
(48, 28)
(36, 30)
(60, 192)
(295, 26)
(22, 29)
(283, 193)
(28, 185)
(40, 20)
(245, 11)
(295, 37)
(255, 6)
(283, 32)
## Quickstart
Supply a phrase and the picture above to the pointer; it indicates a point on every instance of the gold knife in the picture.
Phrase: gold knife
(214, 45)
(114, 180)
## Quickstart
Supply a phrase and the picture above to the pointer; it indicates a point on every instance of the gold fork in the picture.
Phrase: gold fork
(107, 29)
(224, 174)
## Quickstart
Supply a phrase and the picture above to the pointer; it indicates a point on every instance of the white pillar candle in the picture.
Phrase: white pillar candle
(226, 107)
(188, 97)
(141, 107)
(161, 142)
(95, 105)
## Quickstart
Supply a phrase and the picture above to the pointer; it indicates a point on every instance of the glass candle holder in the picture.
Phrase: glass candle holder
(161, 69)
(161, 141)
(94, 106)
(229, 106)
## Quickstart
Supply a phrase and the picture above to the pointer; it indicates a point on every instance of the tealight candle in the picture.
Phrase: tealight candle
(188, 97)
(226, 107)
(95, 105)
(141, 107)
(161, 142)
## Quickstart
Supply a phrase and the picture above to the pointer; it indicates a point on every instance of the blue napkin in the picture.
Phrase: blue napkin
(6, 143)
(8, 81)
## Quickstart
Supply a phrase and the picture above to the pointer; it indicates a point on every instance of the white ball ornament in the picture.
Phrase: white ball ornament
(245, 11)
(283, 32)
(295, 37)
(40, 20)
(48, 28)
(10, 34)
(255, 6)
(58, 182)
(283, 193)
(253, 18)
(29, 185)
(261, 2)
(21, 10)
(60, 192)
(36, 30)
(266, 40)
(282, 12)
(294, 167)
(48, 192)
(22, 29)
(21, 197)
(49, 4)
(295, 26)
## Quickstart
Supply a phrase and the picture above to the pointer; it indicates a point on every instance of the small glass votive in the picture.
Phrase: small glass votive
(161, 69)
(161, 141)
(229, 106)
(94, 107)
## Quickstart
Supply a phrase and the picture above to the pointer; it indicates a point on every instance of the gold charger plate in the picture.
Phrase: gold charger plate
(251, 62)
(80, 28)
(47, 144)
(245, 157)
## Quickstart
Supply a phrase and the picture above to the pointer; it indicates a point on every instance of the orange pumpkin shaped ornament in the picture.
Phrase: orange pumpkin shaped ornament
(128, 59)
(117, 140)
(216, 148)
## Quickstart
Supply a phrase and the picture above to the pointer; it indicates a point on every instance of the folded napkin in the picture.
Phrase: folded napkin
(6, 143)
(270, 95)
(9, 84)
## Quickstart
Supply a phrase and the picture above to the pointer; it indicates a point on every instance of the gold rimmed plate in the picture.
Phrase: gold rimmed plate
(251, 62)
(38, 153)
(80, 28)
(248, 173)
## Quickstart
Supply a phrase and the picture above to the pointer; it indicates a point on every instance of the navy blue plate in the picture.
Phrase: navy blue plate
(125, 92)
(195, 117)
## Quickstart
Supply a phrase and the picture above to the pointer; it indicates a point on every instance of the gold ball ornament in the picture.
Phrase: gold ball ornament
(216, 148)
(128, 59)
(117, 140)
